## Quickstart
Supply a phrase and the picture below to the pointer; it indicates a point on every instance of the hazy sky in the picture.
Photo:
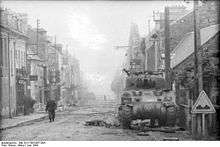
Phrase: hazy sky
(91, 29)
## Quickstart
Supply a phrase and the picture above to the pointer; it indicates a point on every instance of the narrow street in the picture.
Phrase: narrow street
(109, 70)
(69, 126)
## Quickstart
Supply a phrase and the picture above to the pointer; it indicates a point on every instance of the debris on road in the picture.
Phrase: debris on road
(145, 125)
(140, 124)
(171, 139)
(161, 129)
(96, 123)
(143, 134)
(180, 129)
(168, 131)
(101, 123)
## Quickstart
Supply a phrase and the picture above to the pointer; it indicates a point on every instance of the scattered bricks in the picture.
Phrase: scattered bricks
(145, 122)
(101, 123)
(140, 124)
(95, 123)
(136, 122)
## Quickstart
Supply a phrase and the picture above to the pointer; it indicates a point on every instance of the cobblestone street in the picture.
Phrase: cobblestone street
(69, 125)
(109, 71)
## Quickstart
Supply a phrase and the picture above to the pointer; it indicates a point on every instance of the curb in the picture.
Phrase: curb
(23, 123)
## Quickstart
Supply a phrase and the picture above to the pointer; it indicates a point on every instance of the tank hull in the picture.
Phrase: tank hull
(161, 111)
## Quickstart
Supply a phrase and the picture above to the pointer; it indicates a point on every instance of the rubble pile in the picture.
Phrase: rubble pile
(102, 123)
(160, 129)
(140, 124)
(146, 125)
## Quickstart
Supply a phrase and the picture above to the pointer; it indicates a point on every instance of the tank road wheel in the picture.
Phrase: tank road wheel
(125, 116)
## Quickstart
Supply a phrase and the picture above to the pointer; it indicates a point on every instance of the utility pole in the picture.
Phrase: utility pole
(45, 84)
(198, 81)
(197, 59)
(38, 24)
(167, 49)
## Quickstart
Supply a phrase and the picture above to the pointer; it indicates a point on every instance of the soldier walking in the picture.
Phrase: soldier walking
(51, 107)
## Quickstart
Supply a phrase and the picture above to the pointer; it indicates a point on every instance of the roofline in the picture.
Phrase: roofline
(176, 21)
(184, 36)
(199, 49)
(14, 31)
(187, 34)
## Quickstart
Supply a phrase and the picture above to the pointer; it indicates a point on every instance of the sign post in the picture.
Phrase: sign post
(203, 106)
(203, 125)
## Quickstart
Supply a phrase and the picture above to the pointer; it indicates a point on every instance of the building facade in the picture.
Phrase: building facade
(13, 61)
(181, 22)
(70, 79)
(38, 45)
(183, 65)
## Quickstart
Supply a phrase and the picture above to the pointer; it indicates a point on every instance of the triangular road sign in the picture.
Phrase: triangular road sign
(203, 104)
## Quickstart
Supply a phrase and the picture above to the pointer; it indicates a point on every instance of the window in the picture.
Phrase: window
(11, 63)
(15, 54)
(18, 58)
(24, 59)
(21, 60)
(5, 53)
(12, 57)
(1, 51)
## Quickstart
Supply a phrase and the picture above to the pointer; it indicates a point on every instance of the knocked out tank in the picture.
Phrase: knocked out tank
(146, 97)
